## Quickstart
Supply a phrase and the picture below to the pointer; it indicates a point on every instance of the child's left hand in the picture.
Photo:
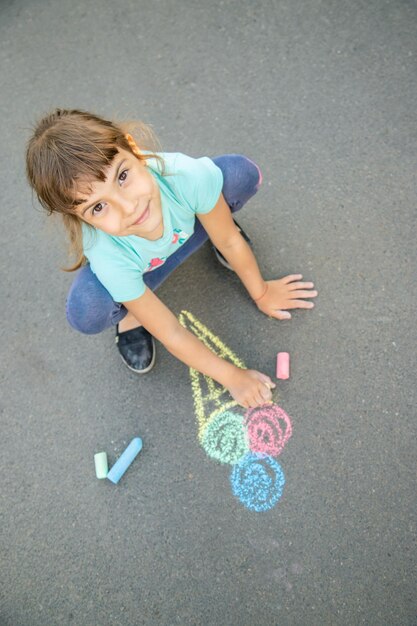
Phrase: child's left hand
(285, 294)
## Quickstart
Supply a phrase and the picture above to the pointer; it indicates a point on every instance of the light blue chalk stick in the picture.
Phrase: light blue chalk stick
(123, 462)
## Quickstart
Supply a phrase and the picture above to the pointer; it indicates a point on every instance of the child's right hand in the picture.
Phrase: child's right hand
(250, 388)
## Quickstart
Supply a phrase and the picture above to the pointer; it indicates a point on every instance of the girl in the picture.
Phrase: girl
(131, 215)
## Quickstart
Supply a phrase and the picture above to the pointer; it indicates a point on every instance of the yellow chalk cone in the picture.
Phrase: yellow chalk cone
(210, 398)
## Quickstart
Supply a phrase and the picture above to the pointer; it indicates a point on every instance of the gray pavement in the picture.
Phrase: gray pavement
(321, 94)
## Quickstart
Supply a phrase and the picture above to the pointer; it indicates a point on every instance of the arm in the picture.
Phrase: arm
(248, 387)
(270, 296)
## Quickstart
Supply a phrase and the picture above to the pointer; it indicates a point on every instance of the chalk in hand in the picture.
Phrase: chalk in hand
(101, 465)
(283, 365)
(123, 462)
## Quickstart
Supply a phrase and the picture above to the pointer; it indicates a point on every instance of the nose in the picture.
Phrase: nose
(127, 207)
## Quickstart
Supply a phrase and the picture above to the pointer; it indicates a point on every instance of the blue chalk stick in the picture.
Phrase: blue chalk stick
(123, 462)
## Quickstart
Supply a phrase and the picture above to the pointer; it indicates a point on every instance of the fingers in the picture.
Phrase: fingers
(262, 395)
(265, 394)
(296, 288)
(303, 294)
(257, 400)
(266, 380)
(300, 304)
(300, 286)
(280, 315)
(251, 404)
(291, 277)
(254, 402)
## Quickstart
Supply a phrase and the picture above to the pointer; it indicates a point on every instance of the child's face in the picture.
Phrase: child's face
(128, 202)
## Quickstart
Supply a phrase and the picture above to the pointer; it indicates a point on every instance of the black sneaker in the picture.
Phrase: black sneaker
(219, 255)
(137, 349)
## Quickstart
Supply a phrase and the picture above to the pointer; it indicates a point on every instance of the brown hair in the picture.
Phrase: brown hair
(72, 146)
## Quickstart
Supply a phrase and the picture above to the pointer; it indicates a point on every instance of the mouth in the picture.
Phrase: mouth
(144, 216)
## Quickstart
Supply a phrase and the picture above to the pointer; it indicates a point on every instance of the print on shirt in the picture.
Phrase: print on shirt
(179, 236)
(154, 263)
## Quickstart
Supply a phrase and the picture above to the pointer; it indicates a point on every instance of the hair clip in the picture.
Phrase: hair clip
(133, 145)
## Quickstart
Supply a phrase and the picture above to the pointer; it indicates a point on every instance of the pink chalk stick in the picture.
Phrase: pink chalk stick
(283, 365)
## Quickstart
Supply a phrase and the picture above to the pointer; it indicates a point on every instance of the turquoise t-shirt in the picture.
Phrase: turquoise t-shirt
(120, 262)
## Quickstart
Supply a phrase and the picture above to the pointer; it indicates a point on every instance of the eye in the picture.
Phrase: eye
(97, 209)
(123, 176)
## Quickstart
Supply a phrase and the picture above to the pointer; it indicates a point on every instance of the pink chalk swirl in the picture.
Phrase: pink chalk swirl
(269, 429)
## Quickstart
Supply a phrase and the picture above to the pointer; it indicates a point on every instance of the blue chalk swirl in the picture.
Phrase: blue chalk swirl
(258, 481)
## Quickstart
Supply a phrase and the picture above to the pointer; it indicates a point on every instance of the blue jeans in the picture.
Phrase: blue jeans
(91, 309)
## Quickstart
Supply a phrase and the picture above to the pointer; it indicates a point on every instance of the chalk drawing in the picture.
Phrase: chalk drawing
(225, 438)
(245, 439)
(265, 429)
(258, 481)
(210, 398)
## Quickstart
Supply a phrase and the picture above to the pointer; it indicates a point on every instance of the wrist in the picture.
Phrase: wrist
(228, 374)
(263, 293)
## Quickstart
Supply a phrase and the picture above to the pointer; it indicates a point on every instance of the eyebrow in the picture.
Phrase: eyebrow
(114, 180)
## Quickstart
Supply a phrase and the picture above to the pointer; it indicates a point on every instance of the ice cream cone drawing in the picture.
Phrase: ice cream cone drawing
(246, 439)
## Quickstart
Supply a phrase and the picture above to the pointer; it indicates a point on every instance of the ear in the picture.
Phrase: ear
(133, 146)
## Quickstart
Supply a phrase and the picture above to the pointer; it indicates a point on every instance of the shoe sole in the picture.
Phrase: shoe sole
(221, 259)
(147, 369)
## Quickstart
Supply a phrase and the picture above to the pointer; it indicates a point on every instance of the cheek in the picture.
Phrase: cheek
(115, 226)
(156, 195)
(110, 224)
(153, 187)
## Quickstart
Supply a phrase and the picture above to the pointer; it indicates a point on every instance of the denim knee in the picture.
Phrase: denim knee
(241, 178)
(90, 308)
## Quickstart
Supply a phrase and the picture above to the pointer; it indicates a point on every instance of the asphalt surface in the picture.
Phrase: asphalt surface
(321, 94)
